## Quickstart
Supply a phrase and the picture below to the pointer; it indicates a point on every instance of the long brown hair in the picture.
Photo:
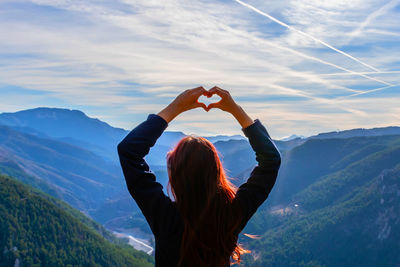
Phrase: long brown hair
(204, 197)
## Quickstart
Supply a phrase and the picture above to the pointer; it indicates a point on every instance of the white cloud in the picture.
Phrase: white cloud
(114, 58)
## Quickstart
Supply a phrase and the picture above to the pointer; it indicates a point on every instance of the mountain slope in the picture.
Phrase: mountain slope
(363, 230)
(236, 155)
(84, 178)
(61, 123)
(37, 232)
(342, 208)
(69, 126)
(391, 130)
(306, 164)
(76, 128)
(335, 187)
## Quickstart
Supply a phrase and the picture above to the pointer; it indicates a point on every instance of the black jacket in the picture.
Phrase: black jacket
(160, 211)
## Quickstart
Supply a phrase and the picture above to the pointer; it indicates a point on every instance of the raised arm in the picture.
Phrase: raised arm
(140, 180)
(253, 193)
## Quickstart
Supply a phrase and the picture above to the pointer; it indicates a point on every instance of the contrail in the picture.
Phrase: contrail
(292, 91)
(336, 66)
(389, 5)
(365, 73)
(305, 34)
(259, 40)
(369, 91)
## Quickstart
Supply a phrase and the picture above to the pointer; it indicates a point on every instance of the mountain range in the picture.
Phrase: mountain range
(335, 192)
(54, 150)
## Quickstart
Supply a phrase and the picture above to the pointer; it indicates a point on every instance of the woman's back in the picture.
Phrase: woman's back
(204, 198)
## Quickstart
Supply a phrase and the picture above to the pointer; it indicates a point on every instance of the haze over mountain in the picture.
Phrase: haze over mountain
(291, 137)
(76, 128)
(82, 177)
(71, 125)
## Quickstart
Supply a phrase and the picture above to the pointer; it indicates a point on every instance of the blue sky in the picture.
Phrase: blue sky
(301, 66)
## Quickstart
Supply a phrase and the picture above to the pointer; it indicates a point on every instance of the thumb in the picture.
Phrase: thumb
(200, 105)
(213, 105)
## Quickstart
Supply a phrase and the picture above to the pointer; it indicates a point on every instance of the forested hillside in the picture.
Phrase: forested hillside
(333, 207)
(345, 157)
(37, 230)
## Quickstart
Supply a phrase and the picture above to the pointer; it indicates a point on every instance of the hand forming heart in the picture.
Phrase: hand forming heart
(208, 98)
(189, 99)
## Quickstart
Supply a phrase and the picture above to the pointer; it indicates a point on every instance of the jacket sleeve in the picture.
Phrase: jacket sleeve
(253, 193)
(140, 180)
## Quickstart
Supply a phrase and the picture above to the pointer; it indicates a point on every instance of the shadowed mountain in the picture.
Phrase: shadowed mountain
(72, 126)
(236, 155)
(61, 123)
(76, 128)
(83, 178)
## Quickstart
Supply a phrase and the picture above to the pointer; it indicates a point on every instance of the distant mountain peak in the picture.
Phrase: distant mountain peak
(377, 131)
(63, 123)
(291, 137)
(218, 138)
(53, 113)
(47, 110)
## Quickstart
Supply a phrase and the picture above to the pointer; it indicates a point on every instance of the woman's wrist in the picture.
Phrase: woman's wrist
(169, 113)
(241, 116)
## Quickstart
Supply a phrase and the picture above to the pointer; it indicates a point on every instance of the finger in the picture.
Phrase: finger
(200, 105)
(202, 91)
(198, 91)
(206, 93)
(214, 105)
(216, 87)
(226, 91)
(218, 91)
(223, 90)
(193, 90)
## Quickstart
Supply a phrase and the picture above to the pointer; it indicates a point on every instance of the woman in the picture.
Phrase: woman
(200, 227)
